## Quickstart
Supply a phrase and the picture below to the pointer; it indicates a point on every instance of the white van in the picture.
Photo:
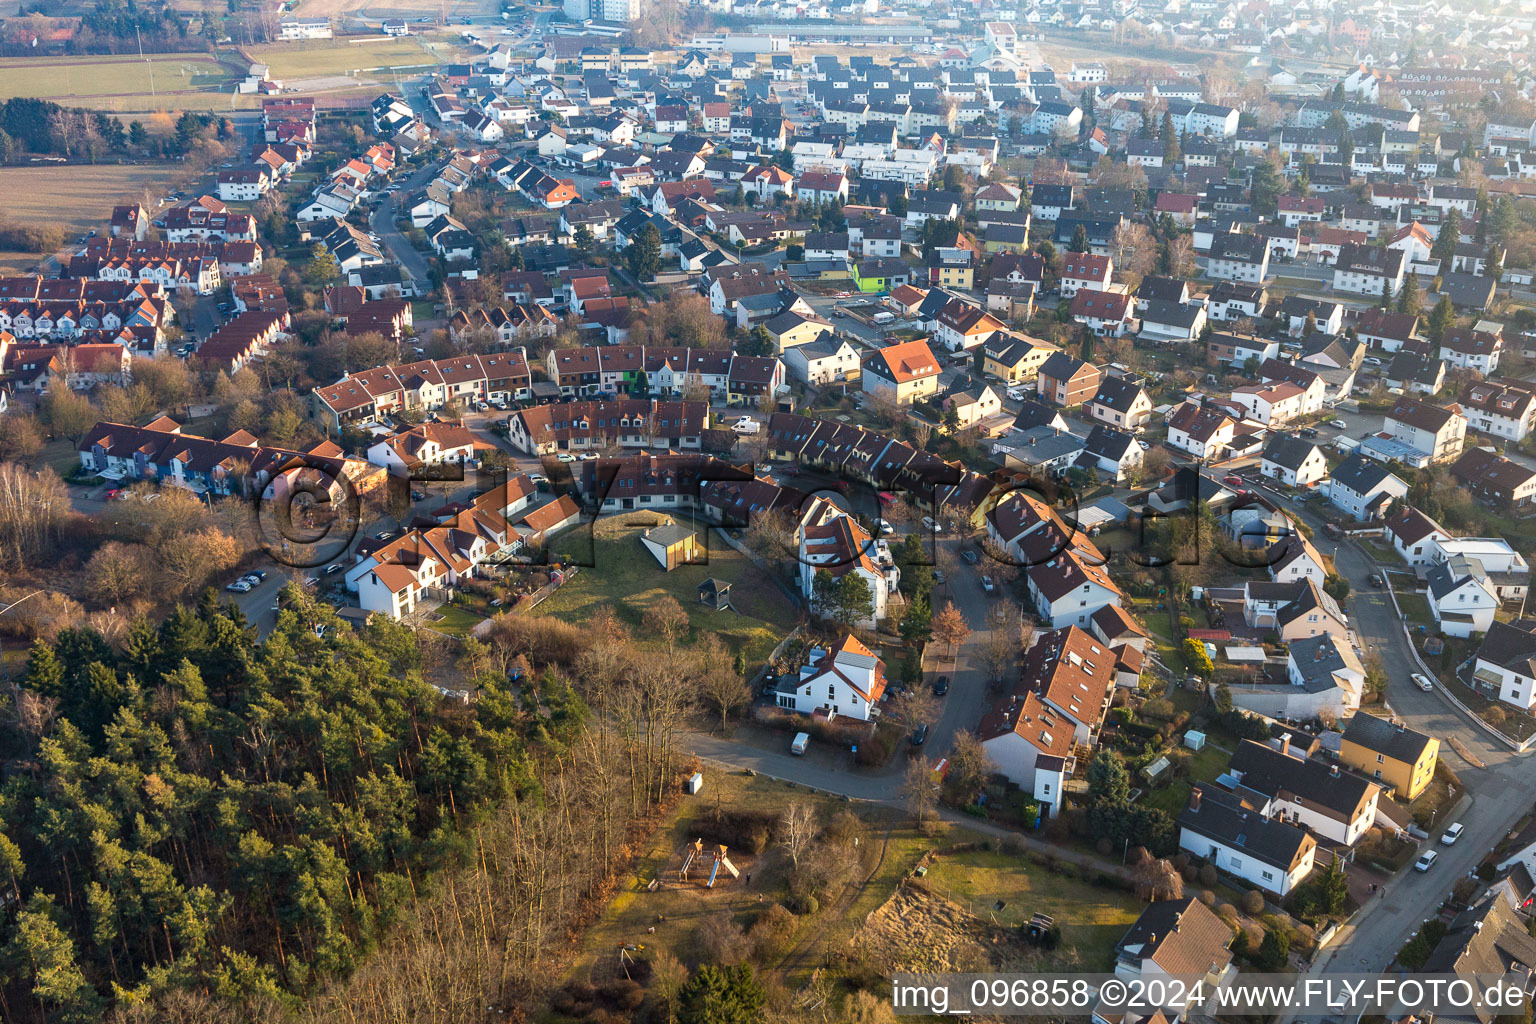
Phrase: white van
(802, 740)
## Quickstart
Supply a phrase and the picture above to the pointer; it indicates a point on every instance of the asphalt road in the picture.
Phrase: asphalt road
(382, 223)
(1500, 793)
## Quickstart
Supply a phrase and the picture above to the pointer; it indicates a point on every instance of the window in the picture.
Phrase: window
(1381, 759)
(1269, 876)
(1378, 773)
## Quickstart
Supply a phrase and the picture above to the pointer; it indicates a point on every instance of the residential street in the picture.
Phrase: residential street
(1499, 794)
(382, 223)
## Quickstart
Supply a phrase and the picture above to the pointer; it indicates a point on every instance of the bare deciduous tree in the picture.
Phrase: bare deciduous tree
(668, 620)
(920, 785)
(797, 830)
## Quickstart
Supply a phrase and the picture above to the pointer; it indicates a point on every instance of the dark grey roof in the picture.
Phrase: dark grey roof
(1489, 938)
(1511, 646)
(1393, 739)
(1117, 393)
(1317, 658)
(1362, 475)
(1109, 443)
(1266, 770)
(1223, 817)
(1290, 452)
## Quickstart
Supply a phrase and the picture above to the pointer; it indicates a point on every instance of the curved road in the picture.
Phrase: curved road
(1500, 794)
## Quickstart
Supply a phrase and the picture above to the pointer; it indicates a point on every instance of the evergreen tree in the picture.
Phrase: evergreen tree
(1386, 293)
(1441, 319)
(1446, 241)
(721, 995)
(1410, 300)
(643, 256)
(1080, 239)
(584, 239)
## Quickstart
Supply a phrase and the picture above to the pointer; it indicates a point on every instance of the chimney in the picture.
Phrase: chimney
(1333, 770)
(1285, 744)
(1194, 798)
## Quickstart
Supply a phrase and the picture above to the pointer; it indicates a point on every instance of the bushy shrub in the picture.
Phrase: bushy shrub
(803, 904)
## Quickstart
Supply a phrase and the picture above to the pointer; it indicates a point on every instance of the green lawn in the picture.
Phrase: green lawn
(454, 621)
(1204, 766)
(623, 574)
(1092, 918)
(1415, 608)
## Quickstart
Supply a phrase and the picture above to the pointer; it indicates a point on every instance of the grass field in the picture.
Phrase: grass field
(78, 197)
(1092, 918)
(623, 574)
(322, 58)
(87, 80)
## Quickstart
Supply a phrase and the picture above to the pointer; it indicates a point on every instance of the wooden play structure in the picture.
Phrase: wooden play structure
(696, 856)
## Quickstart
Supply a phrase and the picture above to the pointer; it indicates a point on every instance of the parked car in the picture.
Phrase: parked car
(1338, 424)
(1308, 431)
(987, 584)
(116, 493)
(941, 686)
(1376, 580)
(971, 557)
(1423, 682)
(938, 577)
(882, 527)
(564, 457)
(330, 570)
(920, 735)
(1427, 861)
(1452, 833)
(1232, 481)
(237, 587)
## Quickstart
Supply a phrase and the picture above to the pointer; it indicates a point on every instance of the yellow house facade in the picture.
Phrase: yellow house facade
(1391, 753)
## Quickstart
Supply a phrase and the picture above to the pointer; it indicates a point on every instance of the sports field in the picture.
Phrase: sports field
(95, 81)
(323, 58)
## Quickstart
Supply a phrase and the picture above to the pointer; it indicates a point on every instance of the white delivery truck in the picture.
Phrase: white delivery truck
(802, 740)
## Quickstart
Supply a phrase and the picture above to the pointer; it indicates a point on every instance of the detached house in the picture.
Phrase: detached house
(1067, 381)
(1204, 432)
(1505, 663)
(1177, 938)
(1460, 596)
(1226, 831)
(1327, 801)
(1437, 432)
(1364, 487)
(1121, 402)
(905, 372)
(1400, 758)
(1081, 270)
(848, 680)
(1293, 461)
